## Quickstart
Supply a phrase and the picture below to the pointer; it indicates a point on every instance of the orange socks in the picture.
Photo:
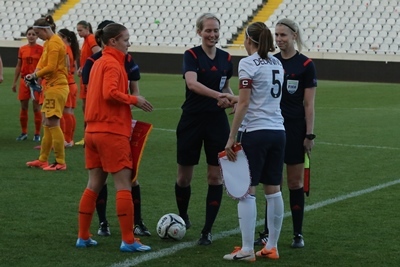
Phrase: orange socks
(125, 215)
(124, 205)
(38, 121)
(68, 127)
(23, 119)
(87, 205)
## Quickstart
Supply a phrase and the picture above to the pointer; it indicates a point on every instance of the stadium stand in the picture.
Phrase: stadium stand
(167, 22)
(351, 26)
(17, 15)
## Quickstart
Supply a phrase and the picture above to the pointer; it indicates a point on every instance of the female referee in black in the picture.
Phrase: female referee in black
(297, 105)
(207, 70)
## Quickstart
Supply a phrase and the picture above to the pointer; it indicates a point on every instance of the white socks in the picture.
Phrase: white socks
(275, 218)
(247, 212)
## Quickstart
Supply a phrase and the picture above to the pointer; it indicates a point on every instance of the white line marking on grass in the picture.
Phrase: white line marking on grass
(165, 130)
(362, 109)
(359, 146)
(168, 251)
(159, 109)
(318, 142)
(327, 108)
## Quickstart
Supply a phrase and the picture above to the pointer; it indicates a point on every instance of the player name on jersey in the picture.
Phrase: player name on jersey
(268, 61)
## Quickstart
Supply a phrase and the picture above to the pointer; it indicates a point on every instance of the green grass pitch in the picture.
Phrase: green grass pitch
(351, 222)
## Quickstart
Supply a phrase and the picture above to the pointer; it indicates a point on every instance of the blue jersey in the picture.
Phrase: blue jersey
(212, 73)
(132, 69)
(299, 74)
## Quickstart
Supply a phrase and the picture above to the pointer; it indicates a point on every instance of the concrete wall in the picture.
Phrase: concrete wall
(330, 66)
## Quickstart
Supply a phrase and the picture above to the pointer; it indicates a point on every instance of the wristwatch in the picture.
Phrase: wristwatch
(310, 136)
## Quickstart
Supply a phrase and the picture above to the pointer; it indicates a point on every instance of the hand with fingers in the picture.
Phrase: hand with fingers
(227, 99)
(308, 144)
(143, 104)
(230, 152)
(223, 102)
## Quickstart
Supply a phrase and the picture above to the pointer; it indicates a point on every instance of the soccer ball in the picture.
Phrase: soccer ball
(171, 226)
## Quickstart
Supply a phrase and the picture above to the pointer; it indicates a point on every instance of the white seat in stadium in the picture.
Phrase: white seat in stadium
(394, 47)
(355, 47)
(341, 17)
(392, 34)
(345, 46)
(168, 40)
(369, 40)
(351, 39)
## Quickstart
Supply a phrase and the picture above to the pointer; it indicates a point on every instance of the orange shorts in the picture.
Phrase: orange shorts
(24, 93)
(83, 91)
(111, 152)
(41, 98)
(71, 100)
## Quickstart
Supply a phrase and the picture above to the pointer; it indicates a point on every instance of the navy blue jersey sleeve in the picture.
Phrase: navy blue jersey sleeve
(88, 66)
(86, 70)
(189, 61)
(310, 78)
(230, 72)
(132, 69)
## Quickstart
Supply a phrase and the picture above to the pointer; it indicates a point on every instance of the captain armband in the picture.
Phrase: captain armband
(245, 83)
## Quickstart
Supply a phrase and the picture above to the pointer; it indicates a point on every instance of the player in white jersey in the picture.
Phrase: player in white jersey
(258, 126)
(263, 77)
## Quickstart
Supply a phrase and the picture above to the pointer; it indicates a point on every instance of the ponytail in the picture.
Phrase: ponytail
(45, 22)
(261, 37)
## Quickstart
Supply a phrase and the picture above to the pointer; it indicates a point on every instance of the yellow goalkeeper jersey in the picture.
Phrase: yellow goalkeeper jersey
(52, 65)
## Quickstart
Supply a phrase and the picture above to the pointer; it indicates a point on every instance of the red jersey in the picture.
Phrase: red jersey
(29, 56)
(86, 50)
(71, 70)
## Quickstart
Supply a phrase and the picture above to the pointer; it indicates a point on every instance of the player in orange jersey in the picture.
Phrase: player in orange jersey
(132, 70)
(68, 121)
(28, 57)
(107, 137)
(89, 47)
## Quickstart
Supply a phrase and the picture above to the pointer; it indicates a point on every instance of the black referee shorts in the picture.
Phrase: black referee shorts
(194, 130)
(295, 134)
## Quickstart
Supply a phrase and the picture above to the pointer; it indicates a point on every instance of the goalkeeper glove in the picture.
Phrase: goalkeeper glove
(31, 82)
